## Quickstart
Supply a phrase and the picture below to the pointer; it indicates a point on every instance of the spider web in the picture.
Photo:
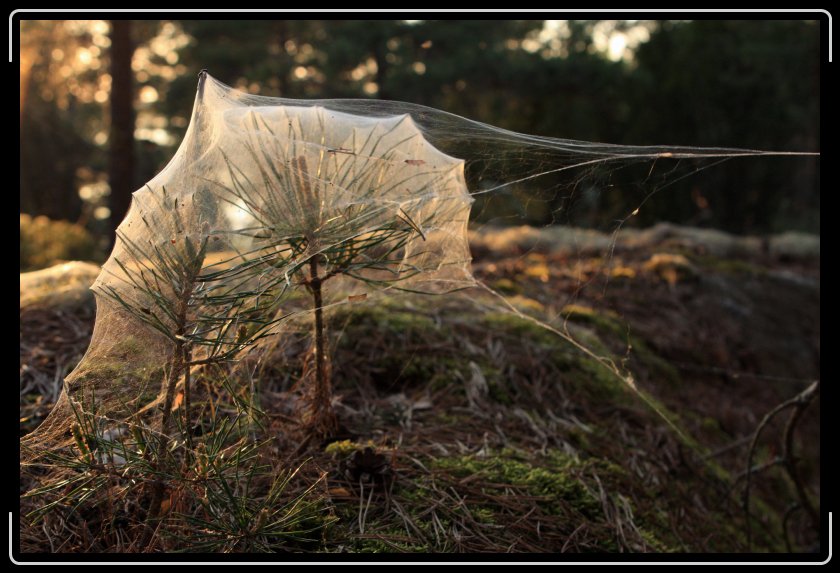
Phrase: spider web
(265, 194)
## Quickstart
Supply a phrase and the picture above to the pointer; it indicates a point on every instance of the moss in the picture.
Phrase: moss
(579, 439)
(565, 484)
(341, 448)
(397, 333)
(583, 313)
(579, 370)
(510, 324)
(439, 383)
(384, 533)
(484, 515)
(102, 372)
(584, 374)
(608, 323)
(653, 543)
(403, 329)
(527, 305)
(727, 266)
(400, 332)
(553, 482)
(389, 540)
(383, 317)
(656, 365)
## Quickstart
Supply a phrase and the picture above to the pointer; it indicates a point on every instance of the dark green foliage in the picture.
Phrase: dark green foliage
(751, 84)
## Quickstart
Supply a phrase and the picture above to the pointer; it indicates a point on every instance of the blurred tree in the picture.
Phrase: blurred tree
(717, 83)
(271, 57)
(121, 140)
(752, 84)
(50, 153)
(51, 146)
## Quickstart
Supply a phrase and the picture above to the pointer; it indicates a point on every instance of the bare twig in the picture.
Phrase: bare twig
(799, 403)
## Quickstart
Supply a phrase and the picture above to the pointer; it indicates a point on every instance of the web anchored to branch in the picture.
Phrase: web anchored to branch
(276, 209)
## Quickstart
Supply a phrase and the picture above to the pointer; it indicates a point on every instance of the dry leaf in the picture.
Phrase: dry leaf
(176, 403)
(357, 297)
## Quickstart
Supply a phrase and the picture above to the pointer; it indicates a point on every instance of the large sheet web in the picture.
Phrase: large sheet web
(267, 196)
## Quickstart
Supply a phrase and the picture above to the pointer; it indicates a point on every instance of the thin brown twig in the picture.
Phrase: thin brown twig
(799, 403)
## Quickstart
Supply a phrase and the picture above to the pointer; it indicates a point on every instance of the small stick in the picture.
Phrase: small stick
(799, 403)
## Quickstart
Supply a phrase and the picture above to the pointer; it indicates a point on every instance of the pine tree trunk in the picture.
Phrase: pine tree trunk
(323, 421)
(179, 364)
(121, 138)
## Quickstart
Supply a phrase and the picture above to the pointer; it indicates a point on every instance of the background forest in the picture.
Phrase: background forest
(103, 105)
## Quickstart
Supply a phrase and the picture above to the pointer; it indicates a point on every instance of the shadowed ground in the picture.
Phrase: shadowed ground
(489, 433)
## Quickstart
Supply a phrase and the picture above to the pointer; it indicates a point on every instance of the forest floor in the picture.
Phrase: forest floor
(469, 428)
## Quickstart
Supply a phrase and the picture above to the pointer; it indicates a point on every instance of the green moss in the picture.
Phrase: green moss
(727, 266)
(566, 487)
(397, 333)
(507, 323)
(484, 515)
(383, 317)
(341, 448)
(606, 321)
(554, 481)
(656, 365)
(401, 330)
(558, 479)
(527, 305)
(654, 544)
(439, 383)
(580, 371)
(610, 324)
(579, 439)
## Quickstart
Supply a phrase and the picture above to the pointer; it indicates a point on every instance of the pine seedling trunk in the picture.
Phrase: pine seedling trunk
(179, 364)
(322, 420)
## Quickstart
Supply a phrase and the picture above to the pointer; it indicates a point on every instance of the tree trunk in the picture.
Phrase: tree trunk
(121, 151)
(323, 421)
